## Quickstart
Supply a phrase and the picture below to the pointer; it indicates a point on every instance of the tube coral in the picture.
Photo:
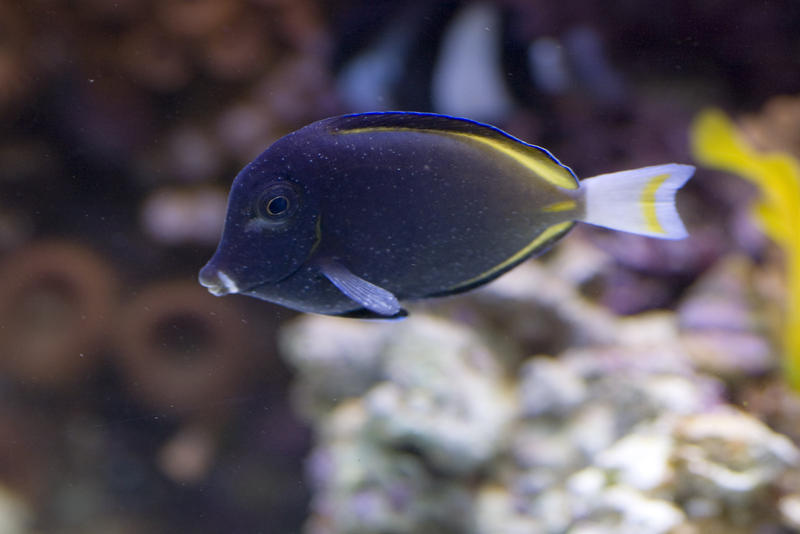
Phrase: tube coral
(56, 302)
(717, 143)
(180, 349)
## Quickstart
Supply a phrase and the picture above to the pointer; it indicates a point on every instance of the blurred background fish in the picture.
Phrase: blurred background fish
(467, 59)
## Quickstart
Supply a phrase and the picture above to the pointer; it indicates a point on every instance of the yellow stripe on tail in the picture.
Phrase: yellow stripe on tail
(649, 203)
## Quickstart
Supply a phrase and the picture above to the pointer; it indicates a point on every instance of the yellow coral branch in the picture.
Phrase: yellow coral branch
(716, 143)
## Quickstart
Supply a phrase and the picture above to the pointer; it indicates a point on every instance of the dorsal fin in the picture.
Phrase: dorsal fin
(539, 160)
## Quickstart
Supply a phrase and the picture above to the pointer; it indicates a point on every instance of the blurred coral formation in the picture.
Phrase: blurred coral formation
(439, 426)
(617, 384)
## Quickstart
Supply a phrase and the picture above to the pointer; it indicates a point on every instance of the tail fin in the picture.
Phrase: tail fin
(640, 201)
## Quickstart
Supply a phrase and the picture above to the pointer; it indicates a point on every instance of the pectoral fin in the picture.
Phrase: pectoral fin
(371, 297)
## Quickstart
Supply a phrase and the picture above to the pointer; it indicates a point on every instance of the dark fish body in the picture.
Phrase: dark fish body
(351, 214)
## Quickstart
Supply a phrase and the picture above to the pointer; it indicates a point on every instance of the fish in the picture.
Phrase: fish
(470, 59)
(354, 214)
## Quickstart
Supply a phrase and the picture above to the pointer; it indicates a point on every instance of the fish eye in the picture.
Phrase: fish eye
(278, 202)
(277, 205)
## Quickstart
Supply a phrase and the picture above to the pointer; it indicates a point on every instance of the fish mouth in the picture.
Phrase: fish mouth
(220, 283)
(217, 282)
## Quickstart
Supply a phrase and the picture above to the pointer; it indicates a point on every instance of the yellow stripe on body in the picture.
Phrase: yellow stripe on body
(538, 162)
(558, 207)
(648, 201)
(540, 240)
(543, 166)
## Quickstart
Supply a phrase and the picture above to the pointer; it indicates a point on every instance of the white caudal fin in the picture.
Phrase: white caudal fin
(640, 201)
